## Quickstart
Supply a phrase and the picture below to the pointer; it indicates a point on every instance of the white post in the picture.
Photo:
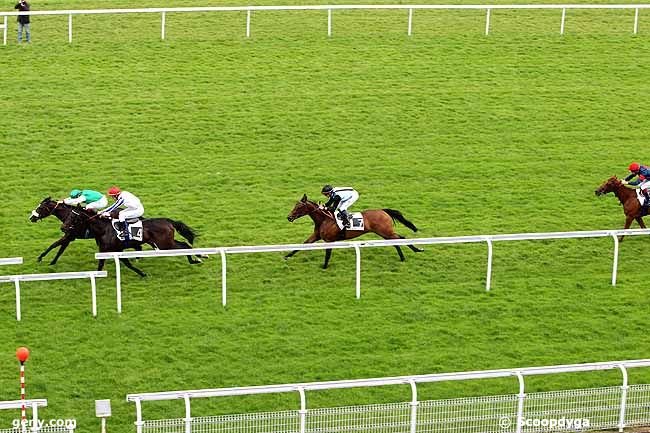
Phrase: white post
(329, 22)
(520, 404)
(70, 28)
(410, 20)
(414, 406)
(248, 23)
(488, 278)
(624, 388)
(138, 416)
(636, 21)
(162, 27)
(562, 25)
(223, 277)
(357, 251)
(188, 415)
(93, 290)
(34, 418)
(615, 266)
(4, 31)
(303, 410)
(487, 23)
(118, 283)
(17, 284)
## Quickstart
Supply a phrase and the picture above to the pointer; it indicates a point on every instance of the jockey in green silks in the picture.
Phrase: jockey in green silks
(93, 200)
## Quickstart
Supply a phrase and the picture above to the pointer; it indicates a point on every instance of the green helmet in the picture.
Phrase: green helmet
(75, 193)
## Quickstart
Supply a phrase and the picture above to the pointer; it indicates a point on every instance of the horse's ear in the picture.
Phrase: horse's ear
(304, 198)
(48, 198)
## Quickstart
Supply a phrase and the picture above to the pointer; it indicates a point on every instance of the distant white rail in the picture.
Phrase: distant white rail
(607, 407)
(329, 9)
(357, 245)
(36, 425)
(12, 261)
(16, 279)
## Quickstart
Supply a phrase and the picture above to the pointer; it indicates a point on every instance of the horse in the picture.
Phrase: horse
(627, 196)
(49, 207)
(157, 232)
(379, 221)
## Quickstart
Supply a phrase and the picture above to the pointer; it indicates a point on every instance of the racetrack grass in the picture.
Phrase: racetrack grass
(464, 134)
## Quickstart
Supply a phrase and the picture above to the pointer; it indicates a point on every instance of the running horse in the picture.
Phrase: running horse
(379, 221)
(627, 196)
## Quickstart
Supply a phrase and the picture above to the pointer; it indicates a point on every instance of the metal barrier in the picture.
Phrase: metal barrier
(12, 261)
(608, 407)
(35, 425)
(357, 245)
(329, 9)
(16, 279)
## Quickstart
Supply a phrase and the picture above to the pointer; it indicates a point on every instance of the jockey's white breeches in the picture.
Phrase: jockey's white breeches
(97, 205)
(644, 185)
(131, 213)
(345, 203)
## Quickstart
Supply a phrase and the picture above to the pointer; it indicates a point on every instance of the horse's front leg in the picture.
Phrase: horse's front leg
(310, 240)
(61, 241)
(628, 223)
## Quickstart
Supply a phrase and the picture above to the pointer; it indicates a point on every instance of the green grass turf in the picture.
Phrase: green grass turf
(464, 134)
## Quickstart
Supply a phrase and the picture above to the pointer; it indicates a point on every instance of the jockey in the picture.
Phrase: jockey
(340, 198)
(642, 173)
(134, 208)
(94, 200)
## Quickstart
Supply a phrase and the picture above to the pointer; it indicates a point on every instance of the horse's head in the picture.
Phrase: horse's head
(302, 208)
(75, 222)
(43, 210)
(610, 185)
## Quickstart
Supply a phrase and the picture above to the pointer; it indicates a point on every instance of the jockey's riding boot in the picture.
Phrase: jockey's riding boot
(346, 219)
(125, 231)
(646, 202)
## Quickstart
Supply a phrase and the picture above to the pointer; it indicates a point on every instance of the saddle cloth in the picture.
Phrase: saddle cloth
(356, 221)
(133, 226)
(640, 197)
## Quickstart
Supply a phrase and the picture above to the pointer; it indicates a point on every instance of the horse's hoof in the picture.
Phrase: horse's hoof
(197, 261)
(53, 262)
(143, 275)
(39, 259)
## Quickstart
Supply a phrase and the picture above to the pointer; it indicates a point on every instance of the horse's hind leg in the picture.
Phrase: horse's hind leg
(640, 221)
(328, 255)
(412, 247)
(184, 245)
(129, 265)
(401, 254)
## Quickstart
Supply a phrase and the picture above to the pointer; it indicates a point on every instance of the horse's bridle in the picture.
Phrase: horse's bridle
(37, 215)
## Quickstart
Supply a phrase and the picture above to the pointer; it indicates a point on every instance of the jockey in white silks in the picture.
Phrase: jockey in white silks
(132, 204)
(94, 200)
(340, 199)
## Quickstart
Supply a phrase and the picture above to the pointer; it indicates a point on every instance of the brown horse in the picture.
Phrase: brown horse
(379, 221)
(627, 197)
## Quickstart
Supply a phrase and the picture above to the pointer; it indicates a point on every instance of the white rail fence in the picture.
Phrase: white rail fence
(16, 279)
(329, 9)
(36, 425)
(12, 261)
(357, 245)
(602, 408)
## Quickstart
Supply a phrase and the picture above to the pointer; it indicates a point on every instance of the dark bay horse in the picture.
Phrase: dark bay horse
(627, 197)
(379, 221)
(49, 207)
(157, 232)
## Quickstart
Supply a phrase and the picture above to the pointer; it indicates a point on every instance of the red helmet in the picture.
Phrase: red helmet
(634, 166)
(113, 191)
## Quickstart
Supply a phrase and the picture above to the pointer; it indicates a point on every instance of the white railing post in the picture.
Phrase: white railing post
(223, 277)
(624, 388)
(488, 277)
(248, 23)
(17, 284)
(636, 20)
(162, 27)
(34, 417)
(303, 410)
(118, 283)
(414, 406)
(357, 252)
(487, 22)
(329, 22)
(70, 28)
(520, 403)
(93, 294)
(188, 414)
(410, 21)
(615, 265)
(563, 17)
(139, 423)
(4, 31)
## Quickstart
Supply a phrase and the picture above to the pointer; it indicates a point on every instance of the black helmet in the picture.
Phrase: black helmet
(327, 189)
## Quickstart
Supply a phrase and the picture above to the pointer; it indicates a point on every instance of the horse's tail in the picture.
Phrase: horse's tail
(184, 230)
(397, 215)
